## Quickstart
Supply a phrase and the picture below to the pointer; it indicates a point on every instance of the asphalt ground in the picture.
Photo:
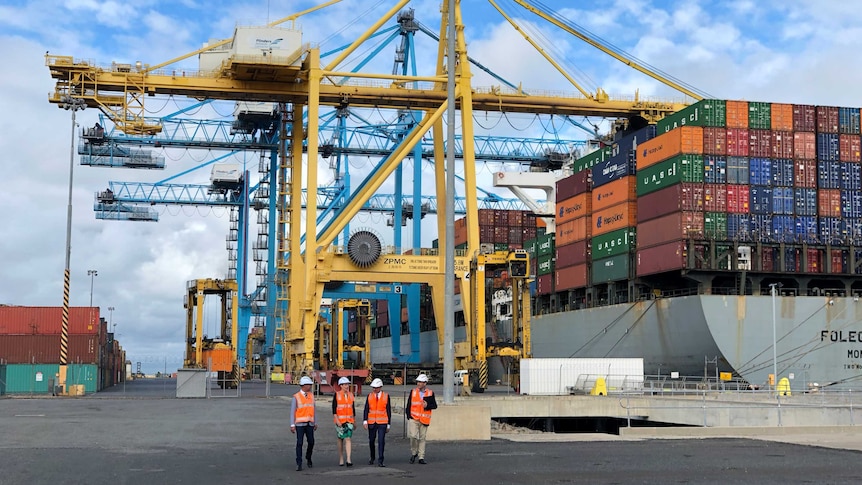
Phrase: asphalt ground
(144, 436)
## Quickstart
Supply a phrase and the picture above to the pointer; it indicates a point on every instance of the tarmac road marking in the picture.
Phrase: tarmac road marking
(29, 415)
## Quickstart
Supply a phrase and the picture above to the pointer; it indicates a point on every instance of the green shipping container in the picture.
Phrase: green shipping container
(530, 247)
(30, 378)
(593, 158)
(759, 115)
(707, 112)
(2, 379)
(681, 168)
(544, 265)
(614, 268)
(613, 243)
(715, 225)
(501, 246)
(545, 245)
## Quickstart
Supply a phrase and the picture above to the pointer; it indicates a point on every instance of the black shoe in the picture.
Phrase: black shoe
(308, 462)
(413, 459)
(371, 461)
(299, 468)
(349, 464)
(381, 465)
(422, 461)
(341, 464)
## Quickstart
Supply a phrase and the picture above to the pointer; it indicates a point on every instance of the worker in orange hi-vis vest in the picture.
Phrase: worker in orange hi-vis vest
(420, 403)
(344, 415)
(376, 419)
(302, 420)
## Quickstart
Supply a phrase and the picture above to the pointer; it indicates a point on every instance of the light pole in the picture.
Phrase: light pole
(773, 290)
(111, 318)
(92, 274)
(70, 104)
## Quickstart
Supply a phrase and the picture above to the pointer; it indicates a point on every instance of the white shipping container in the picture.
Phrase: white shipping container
(551, 377)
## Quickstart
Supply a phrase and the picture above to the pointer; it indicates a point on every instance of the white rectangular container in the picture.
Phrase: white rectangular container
(274, 41)
(550, 377)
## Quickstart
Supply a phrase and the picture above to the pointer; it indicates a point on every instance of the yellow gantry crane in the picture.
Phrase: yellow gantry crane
(291, 74)
(218, 352)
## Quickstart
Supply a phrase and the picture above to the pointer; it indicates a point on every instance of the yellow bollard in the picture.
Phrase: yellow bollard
(600, 389)
(783, 386)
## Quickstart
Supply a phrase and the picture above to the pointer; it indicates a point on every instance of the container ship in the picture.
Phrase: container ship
(723, 239)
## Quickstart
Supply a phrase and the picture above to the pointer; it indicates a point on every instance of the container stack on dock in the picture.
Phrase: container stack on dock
(722, 186)
(30, 350)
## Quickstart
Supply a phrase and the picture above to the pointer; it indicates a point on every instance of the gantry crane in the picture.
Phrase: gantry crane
(296, 79)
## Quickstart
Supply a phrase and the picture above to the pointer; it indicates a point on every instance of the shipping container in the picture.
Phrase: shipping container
(853, 230)
(715, 141)
(737, 170)
(672, 227)
(805, 173)
(738, 199)
(545, 244)
(849, 147)
(28, 320)
(573, 185)
(614, 268)
(613, 218)
(545, 284)
(804, 145)
(612, 169)
(760, 171)
(544, 265)
(848, 121)
(737, 114)
(706, 112)
(813, 261)
(739, 227)
(782, 117)
(827, 147)
(530, 247)
(682, 168)
(829, 203)
(805, 202)
(761, 227)
(572, 254)
(570, 277)
(760, 115)
(851, 204)
(571, 209)
(782, 144)
(783, 228)
(685, 140)
(806, 229)
(832, 230)
(715, 197)
(573, 231)
(827, 119)
(660, 259)
(804, 117)
(782, 200)
(760, 199)
(851, 176)
(836, 260)
(759, 143)
(629, 141)
(714, 169)
(715, 225)
(613, 243)
(661, 202)
(45, 349)
(613, 193)
(555, 377)
(738, 143)
(32, 378)
(588, 161)
(829, 175)
(782, 172)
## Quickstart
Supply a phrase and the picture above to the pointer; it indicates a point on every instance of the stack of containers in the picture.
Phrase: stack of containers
(573, 200)
(499, 229)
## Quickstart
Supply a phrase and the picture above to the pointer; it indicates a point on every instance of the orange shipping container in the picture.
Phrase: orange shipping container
(804, 145)
(782, 117)
(573, 231)
(829, 203)
(571, 277)
(687, 139)
(737, 114)
(572, 208)
(616, 192)
(615, 217)
(38, 320)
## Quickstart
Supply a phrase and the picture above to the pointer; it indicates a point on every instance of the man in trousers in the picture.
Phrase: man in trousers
(376, 419)
(302, 420)
(420, 403)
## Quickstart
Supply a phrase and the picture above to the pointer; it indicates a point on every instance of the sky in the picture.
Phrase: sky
(778, 51)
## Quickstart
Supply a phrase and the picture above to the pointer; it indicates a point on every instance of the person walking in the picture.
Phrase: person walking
(302, 420)
(420, 403)
(344, 415)
(376, 419)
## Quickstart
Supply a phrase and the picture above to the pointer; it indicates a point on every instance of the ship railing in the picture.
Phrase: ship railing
(665, 384)
(613, 383)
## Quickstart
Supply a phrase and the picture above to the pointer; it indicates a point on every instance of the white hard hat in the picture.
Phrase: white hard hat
(376, 383)
(305, 380)
(422, 378)
(344, 380)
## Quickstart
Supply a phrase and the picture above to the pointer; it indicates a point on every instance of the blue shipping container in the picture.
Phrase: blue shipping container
(791, 261)
(829, 175)
(761, 227)
(760, 170)
(805, 201)
(851, 203)
(827, 146)
(782, 172)
(806, 229)
(714, 169)
(851, 175)
(737, 170)
(848, 121)
(783, 229)
(831, 230)
(782, 200)
(760, 199)
(629, 142)
(739, 227)
(853, 228)
(612, 169)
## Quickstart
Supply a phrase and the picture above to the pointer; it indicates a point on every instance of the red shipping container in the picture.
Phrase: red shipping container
(501, 218)
(661, 202)
(829, 203)
(571, 254)
(516, 218)
(782, 117)
(501, 235)
(486, 217)
(837, 261)
(672, 227)
(545, 284)
(804, 145)
(813, 263)
(767, 260)
(738, 199)
(45, 349)
(570, 277)
(782, 144)
(659, 259)
(805, 174)
(760, 143)
(737, 142)
(715, 197)
(574, 185)
(29, 320)
(737, 114)
(516, 236)
(486, 234)
(804, 116)
(827, 119)
(382, 319)
(715, 140)
(692, 196)
(849, 148)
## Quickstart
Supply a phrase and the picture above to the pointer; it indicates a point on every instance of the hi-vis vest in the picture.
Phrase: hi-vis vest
(377, 408)
(304, 408)
(416, 410)
(344, 407)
